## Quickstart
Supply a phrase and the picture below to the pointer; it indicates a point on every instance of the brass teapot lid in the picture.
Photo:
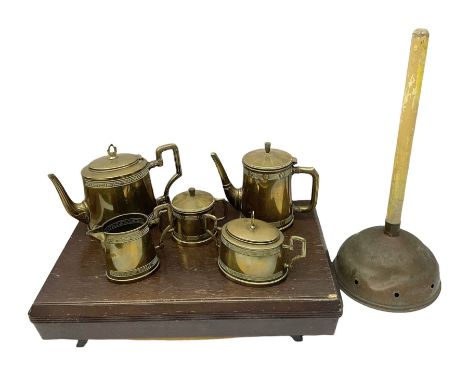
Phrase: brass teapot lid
(192, 201)
(251, 233)
(114, 165)
(267, 159)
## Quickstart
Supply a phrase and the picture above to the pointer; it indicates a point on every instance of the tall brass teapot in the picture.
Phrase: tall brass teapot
(266, 186)
(116, 184)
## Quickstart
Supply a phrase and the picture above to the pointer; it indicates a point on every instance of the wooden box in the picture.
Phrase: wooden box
(187, 297)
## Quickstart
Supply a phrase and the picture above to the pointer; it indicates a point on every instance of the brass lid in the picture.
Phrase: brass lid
(267, 159)
(192, 201)
(250, 233)
(114, 165)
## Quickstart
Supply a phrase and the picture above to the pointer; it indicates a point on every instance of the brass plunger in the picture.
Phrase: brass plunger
(385, 267)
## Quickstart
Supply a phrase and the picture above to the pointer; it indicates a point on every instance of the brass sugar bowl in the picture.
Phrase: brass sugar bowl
(266, 186)
(192, 211)
(116, 184)
(251, 252)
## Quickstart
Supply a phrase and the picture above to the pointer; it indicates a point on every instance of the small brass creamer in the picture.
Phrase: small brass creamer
(117, 184)
(266, 187)
(128, 245)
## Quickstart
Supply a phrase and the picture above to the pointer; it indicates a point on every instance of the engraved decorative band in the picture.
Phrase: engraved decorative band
(251, 252)
(136, 271)
(186, 216)
(267, 176)
(118, 182)
(123, 237)
(284, 223)
(243, 276)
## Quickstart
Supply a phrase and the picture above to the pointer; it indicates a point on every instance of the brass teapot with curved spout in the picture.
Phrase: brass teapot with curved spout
(117, 184)
(266, 186)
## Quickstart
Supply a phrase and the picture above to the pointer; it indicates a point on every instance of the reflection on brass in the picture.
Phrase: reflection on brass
(117, 184)
(266, 186)
(251, 252)
(192, 210)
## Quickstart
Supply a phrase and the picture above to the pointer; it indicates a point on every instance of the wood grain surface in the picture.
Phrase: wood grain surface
(187, 289)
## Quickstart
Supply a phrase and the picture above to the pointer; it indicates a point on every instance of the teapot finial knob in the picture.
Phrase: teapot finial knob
(112, 151)
(252, 220)
(191, 191)
(267, 147)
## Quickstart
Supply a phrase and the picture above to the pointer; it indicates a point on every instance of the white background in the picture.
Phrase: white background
(321, 80)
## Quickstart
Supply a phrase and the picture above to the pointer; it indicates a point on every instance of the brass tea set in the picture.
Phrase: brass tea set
(120, 209)
(383, 267)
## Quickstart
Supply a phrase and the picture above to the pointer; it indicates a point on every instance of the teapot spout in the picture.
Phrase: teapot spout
(79, 211)
(233, 194)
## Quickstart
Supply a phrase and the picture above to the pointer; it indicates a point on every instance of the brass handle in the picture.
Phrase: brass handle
(225, 208)
(159, 162)
(169, 228)
(214, 219)
(290, 247)
(156, 218)
(315, 188)
(409, 112)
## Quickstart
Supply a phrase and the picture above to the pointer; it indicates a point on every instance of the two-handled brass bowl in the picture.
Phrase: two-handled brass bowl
(128, 244)
(194, 213)
(252, 252)
(116, 184)
(266, 187)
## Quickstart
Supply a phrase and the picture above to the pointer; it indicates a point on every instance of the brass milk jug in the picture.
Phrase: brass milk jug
(266, 187)
(128, 245)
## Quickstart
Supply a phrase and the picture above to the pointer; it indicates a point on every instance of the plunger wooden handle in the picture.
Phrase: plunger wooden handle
(409, 112)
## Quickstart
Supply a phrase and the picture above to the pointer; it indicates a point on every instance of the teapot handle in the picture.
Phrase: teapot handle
(159, 162)
(315, 187)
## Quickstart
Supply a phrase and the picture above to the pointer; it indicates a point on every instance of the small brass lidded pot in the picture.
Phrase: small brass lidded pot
(192, 211)
(266, 187)
(252, 252)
